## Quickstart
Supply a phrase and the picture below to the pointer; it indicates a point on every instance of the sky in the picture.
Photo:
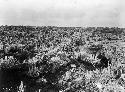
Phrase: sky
(73, 13)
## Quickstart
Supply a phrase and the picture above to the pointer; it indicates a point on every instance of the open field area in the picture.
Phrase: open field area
(62, 59)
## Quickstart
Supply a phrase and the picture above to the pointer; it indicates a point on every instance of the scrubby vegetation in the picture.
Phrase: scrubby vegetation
(61, 59)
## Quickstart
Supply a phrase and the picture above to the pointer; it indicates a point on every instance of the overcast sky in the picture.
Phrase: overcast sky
(63, 12)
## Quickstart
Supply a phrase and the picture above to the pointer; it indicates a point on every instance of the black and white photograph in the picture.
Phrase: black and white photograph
(62, 45)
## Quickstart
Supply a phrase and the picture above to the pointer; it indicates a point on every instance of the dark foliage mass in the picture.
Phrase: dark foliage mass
(104, 62)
